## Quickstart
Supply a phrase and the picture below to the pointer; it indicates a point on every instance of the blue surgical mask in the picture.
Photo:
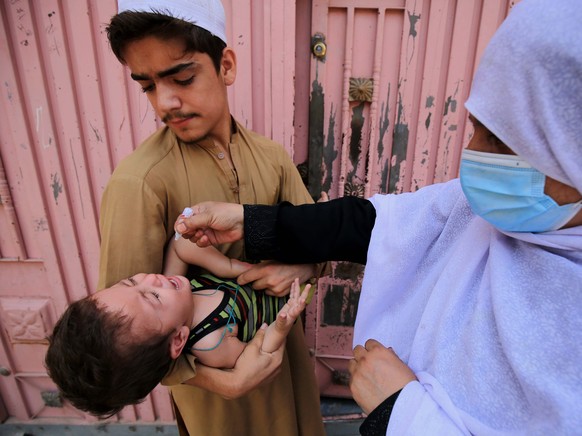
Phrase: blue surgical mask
(506, 191)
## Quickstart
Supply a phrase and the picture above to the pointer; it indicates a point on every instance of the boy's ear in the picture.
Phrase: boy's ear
(178, 341)
(228, 66)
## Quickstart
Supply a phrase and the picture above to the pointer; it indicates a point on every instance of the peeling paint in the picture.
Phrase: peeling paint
(384, 124)
(316, 138)
(96, 133)
(77, 177)
(427, 121)
(8, 92)
(340, 305)
(50, 28)
(356, 126)
(329, 153)
(56, 187)
(399, 147)
(40, 225)
(451, 104)
(20, 13)
(348, 271)
(413, 20)
(429, 101)
(384, 177)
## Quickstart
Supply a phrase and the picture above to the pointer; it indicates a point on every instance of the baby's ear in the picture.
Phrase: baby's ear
(178, 341)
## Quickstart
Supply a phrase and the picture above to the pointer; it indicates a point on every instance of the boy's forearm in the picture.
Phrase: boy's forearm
(217, 381)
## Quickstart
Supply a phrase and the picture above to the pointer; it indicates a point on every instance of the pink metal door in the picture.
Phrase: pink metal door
(68, 114)
(49, 199)
(387, 85)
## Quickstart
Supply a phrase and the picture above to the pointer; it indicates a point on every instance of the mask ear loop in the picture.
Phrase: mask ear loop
(230, 322)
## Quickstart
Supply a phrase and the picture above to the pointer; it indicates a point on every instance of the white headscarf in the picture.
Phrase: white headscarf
(207, 14)
(528, 87)
(490, 322)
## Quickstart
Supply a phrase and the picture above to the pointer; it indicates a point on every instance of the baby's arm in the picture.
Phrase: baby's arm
(279, 329)
(182, 252)
(224, 355)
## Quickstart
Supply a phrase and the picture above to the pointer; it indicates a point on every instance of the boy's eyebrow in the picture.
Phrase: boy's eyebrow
(170, 71)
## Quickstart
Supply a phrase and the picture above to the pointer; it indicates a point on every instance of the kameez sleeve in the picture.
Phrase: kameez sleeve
(132, 230)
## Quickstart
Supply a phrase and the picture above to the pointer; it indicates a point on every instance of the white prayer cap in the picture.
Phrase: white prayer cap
(207, 14)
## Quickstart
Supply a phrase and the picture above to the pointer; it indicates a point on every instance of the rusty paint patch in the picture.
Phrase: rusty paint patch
(384, 124)
(8, 92)
(40, 225)
(340, 305)
(348, 271)
(384, 176)
(451, 104)
(399, 147)
(56, 187)
(316, 138)
(428, 104)
(96, 133)
(329, 154)
(356, 127)
(413, 20)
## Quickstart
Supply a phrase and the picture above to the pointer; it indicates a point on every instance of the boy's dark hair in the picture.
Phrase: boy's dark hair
(131, 26)
(96, 362)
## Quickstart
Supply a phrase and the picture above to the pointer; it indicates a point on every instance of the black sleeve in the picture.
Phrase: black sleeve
(376, 422)
(311, 233)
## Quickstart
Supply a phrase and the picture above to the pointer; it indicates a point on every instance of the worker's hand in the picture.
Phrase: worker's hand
(376, 373)
(212, 223)
(275, 278)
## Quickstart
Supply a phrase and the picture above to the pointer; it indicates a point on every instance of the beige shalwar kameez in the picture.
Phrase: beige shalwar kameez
(146, 193)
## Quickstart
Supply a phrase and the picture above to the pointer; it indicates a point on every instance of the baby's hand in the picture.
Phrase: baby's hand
(294, 306)
(278, 330)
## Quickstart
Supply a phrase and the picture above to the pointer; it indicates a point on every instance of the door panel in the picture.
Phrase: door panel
(386, 116)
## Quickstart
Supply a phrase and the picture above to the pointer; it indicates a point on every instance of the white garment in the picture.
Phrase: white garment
(528, 87)
(489, 322)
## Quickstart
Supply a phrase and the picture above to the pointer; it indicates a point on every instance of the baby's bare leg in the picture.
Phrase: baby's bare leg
(278, 330)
